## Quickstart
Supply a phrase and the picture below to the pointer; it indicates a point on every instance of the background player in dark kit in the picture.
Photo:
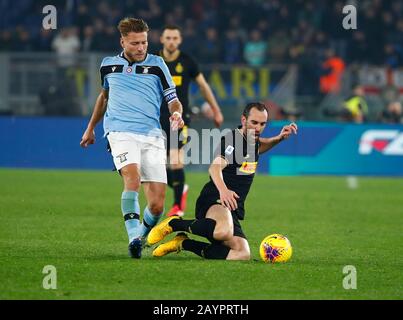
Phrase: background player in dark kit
(183, 69)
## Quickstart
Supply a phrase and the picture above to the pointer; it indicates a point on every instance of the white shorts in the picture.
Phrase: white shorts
(147, 152)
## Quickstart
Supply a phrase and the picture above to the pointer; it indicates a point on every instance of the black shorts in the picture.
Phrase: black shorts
(203, 204)
(181, 135)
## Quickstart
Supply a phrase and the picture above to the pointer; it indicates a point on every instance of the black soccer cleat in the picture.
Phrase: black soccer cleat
(135, 248)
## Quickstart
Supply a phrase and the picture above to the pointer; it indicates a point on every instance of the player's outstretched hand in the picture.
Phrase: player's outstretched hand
(288, 130)
(176, 121)
(228, 199)
(88, 138)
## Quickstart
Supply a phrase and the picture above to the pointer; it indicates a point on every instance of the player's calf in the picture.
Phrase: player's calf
(223, 233)
(207, 228)
(156, 208)
(238, 255)
(224, 226)
(239, 249)
(216, 251)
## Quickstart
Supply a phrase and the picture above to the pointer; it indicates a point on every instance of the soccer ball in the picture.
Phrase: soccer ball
(275, 248)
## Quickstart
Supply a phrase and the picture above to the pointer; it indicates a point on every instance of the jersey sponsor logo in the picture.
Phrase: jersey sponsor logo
(177, 80)
(248, 167)
(129, 70)
(122, 157)
(113, 68)
(387, 142)
(229, 150)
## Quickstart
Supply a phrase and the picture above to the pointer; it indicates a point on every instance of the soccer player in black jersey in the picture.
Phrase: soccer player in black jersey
(220, 205)
(183, 70)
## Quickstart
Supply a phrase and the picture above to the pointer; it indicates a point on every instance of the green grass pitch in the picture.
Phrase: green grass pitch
(72, 220)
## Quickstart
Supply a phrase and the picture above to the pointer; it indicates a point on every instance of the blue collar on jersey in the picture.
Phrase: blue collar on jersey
(131, 63)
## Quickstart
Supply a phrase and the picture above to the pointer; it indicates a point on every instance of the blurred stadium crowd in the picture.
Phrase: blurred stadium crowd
(218, 31)
(308, 34)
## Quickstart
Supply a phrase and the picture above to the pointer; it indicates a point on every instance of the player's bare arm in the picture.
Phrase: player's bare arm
(207, 93)
(227, 197)
(175, 108)
(99, 111)
(268, 143)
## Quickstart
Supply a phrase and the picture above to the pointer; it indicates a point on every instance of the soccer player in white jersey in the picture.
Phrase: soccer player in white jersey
(134, 84)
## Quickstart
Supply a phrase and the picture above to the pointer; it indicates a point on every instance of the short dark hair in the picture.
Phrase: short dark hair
(171, 27)
(258, 105)
(128, 25)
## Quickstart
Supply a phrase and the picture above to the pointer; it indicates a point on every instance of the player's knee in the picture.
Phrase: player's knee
(132, 185)
(131, 182)
(156, 208)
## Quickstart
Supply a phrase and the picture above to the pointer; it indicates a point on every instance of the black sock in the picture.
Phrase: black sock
(194, 246)
(178, 182)
(181, 224)
(216, 251)
(169, 177)
(201, 227)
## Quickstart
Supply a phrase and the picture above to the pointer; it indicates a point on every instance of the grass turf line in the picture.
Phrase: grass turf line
(72, 220)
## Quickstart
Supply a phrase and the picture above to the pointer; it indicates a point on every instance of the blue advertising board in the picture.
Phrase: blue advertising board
(336, 149)
(318, 149)
(51, 142)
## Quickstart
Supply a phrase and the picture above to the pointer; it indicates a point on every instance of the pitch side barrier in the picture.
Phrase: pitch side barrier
(318, 149)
